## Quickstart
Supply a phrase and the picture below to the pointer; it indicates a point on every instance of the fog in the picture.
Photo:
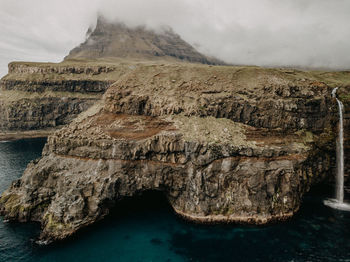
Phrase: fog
(303, 33)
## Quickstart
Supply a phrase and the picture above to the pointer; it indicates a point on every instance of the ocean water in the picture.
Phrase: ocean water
(145, 228)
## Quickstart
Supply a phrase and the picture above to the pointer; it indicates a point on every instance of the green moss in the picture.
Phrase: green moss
(345, 98)
(306, 136)
(53, 225)
(11, 204)
(9, 200)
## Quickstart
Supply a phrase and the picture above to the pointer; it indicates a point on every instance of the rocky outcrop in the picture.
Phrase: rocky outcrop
(41, 113)
(114, 40)
(254, 96)
(224, 144)
(61, 68)
(42, 96)
(43, 85)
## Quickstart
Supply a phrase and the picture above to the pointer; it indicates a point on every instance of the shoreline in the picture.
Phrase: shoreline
(257, 220)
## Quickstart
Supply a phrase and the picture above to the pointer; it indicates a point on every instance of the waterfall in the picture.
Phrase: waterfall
(338, 203)
(340, 152)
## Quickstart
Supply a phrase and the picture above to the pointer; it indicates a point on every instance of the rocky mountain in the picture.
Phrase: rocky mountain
(109, 41)
(224, 144)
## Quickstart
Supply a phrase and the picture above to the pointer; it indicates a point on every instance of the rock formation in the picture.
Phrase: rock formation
(44, 96)
(36, 97)
(113, 40)
(224, 144)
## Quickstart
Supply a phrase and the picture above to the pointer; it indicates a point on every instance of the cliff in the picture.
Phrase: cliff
(38, 97)
(224, 144)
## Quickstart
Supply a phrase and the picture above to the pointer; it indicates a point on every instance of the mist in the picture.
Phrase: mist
(295, 33)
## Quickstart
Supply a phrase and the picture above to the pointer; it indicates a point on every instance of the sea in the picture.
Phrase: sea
(145, 228)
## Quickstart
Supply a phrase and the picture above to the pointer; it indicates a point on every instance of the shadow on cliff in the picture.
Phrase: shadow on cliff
(148, 222)
(311, 235)
(142, 206)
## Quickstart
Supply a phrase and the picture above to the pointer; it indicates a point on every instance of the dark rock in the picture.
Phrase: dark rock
(239, 154)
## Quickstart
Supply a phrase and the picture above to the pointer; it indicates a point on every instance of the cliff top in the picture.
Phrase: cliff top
(101, 68)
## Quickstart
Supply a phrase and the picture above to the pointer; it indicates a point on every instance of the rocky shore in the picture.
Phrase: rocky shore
(224, 144)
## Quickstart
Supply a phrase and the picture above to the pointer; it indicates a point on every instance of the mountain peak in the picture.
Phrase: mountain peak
(114, 40)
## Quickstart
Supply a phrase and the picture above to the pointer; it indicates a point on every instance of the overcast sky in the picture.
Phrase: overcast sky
(313, 33)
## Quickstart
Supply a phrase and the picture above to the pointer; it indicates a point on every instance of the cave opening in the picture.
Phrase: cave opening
(145, 203)
(145, 209)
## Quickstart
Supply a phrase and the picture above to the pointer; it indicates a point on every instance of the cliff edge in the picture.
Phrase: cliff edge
(224, 144)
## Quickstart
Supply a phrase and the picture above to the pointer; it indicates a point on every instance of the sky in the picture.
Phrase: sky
(303, 33)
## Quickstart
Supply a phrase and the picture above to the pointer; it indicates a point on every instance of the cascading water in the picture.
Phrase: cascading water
(338, 203)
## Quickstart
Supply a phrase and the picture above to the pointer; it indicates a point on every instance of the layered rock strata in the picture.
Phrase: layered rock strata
(224, 144)
(42, 96)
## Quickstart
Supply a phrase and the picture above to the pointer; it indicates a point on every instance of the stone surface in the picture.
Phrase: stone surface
(43, 96)
(224, 144)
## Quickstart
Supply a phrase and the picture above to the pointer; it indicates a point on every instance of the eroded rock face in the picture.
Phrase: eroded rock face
(41, 113)
(254, 96)
(40, 96)
(224, 145)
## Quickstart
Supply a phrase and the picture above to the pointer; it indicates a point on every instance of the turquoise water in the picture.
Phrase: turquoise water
(146, 229)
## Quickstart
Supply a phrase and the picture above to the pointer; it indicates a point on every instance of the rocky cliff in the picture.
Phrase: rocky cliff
(41, 96)
(38, 97)
(224, 144)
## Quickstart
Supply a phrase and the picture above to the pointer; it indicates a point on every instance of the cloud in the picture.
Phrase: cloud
(312, 33)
